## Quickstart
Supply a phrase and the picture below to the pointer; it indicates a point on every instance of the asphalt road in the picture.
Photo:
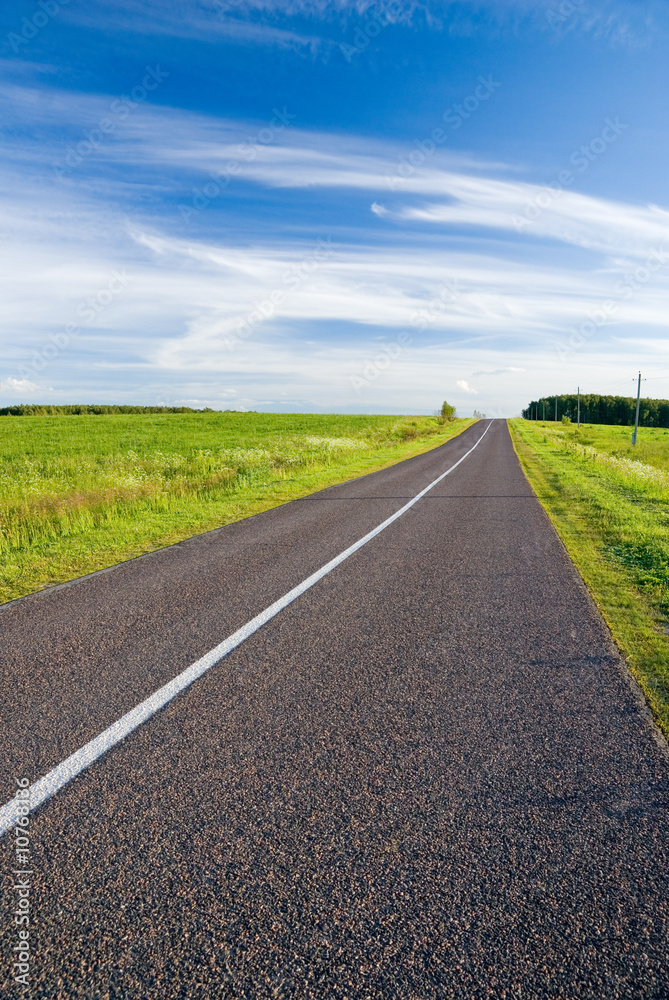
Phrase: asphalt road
(429, 777)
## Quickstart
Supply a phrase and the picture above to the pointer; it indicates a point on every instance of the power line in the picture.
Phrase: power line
(615, 385)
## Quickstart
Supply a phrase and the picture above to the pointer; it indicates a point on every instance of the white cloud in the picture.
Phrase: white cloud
(18, 385)
(465, 386)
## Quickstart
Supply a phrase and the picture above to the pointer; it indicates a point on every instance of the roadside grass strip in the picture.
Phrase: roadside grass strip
(73, 765)
(610, 506)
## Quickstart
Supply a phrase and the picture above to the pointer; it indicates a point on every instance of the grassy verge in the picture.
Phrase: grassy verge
(79, 493)
(610, 506)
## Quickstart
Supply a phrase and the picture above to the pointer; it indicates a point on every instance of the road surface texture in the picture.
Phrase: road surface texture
(429, 777)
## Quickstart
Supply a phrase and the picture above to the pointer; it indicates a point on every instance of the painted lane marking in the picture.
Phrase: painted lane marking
(77, 762)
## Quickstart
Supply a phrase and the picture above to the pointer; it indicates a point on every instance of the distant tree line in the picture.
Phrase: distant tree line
(596, 409)
(76, 409)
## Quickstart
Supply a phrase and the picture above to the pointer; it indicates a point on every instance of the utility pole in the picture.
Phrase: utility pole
(578, 417)
(636, 418)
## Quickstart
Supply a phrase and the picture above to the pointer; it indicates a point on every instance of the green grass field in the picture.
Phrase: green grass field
(609, 502)
(78, 493)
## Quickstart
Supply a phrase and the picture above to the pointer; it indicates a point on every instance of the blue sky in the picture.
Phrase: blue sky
(333, 207)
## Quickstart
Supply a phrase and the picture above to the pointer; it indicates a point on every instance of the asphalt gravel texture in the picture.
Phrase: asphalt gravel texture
(429, 777)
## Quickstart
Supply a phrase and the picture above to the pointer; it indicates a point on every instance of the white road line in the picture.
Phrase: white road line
(52, 782)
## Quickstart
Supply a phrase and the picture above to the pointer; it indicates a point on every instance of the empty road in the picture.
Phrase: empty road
(429, 776)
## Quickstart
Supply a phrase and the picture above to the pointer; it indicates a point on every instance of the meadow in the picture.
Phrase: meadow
(82, 492)
(609, 502)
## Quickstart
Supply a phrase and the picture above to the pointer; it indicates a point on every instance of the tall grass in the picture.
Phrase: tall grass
(78, 492)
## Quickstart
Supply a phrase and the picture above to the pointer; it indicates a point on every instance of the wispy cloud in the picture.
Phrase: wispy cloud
(618, 22)
(368, 285)
(458, 192)
(192, 287)
(498, 371)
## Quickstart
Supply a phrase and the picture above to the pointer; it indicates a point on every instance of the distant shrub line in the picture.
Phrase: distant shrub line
(77, 409)
(596, 409)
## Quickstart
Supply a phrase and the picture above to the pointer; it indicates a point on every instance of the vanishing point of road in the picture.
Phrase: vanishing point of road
(428, 776)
